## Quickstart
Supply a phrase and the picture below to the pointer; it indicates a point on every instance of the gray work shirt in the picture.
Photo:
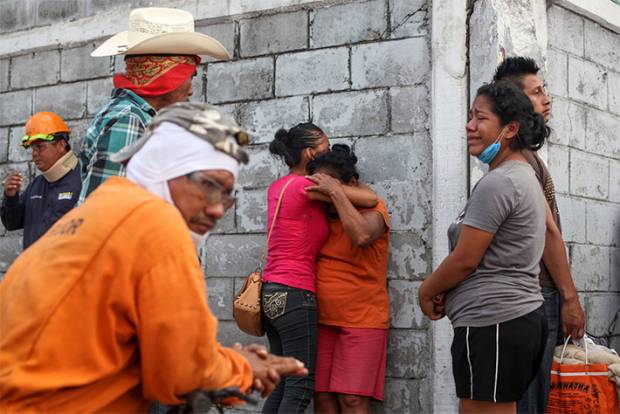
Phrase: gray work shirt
(507, 202)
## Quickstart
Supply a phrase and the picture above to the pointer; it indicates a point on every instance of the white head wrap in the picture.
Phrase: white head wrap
(170, 152)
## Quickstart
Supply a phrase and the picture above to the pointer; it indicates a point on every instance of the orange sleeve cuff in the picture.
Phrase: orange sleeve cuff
(241, 374)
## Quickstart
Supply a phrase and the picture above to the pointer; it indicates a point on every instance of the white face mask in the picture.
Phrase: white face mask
(199, 239)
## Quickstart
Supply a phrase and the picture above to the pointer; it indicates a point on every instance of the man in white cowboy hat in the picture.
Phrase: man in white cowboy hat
(108, 311)
(161, 52)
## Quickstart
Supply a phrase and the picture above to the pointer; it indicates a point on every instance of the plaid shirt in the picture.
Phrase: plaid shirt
(121, 122)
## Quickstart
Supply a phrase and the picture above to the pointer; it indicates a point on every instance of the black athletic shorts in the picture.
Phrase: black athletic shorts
(497, 363)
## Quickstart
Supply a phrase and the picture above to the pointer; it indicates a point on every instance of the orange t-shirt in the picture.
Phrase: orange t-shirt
(352, 281)
(108, 312)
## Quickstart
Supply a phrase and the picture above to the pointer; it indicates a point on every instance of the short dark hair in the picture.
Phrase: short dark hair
(512, 68)
(341, 160)
(509, 103)
(64, 136)
(289, 144)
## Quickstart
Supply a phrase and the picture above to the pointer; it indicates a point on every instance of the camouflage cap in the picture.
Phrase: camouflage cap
(204, 121)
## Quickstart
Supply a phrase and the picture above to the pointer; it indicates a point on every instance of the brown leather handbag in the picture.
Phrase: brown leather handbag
(247, 304)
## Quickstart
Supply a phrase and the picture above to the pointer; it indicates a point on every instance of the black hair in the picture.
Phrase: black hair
(513, 68)
(509, 103)
(289, 144)
(341, 160)
(63, 136)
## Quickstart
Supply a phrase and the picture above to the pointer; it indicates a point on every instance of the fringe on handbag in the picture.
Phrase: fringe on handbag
(247, 304)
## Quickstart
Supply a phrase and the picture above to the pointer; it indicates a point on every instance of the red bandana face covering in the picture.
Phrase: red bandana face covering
(152, 75)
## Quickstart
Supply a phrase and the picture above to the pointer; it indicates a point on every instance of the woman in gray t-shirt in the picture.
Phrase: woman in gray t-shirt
(490, 278)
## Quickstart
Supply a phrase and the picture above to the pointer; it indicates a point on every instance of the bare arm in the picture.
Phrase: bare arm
(360, 196)
(556, 261)
(455, 268)
(362, 228)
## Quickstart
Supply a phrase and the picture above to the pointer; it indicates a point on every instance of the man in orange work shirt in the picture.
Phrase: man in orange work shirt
(107, 312)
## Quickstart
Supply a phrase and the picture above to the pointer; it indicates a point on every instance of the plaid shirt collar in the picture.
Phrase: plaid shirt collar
(127, 95)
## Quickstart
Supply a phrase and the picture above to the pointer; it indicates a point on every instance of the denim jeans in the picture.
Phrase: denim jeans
(158, 408)
(290, 321)
(534, 401)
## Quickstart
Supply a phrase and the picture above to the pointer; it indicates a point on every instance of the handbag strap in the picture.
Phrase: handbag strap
(273, 222)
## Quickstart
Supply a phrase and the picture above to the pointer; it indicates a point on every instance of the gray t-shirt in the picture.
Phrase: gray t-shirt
(507, 201)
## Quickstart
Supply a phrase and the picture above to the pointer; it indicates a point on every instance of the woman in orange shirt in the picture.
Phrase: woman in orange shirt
(352, 297)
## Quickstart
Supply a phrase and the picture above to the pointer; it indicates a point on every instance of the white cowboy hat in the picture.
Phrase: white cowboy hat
(159, 31)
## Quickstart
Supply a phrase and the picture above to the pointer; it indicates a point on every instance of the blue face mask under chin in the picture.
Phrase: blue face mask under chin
(490, 152)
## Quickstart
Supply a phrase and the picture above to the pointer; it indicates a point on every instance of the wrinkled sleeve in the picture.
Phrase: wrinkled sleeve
(12, 212)
(95, 155)
(492, 201)
(177, 332)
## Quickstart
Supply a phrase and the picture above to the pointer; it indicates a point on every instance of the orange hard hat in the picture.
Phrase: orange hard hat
(43, 126)
(45, 123)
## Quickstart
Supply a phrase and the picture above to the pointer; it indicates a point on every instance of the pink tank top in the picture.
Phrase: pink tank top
(300, 231)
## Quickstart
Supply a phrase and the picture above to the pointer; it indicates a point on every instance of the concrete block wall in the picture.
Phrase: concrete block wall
(584, 158)
(359, 69)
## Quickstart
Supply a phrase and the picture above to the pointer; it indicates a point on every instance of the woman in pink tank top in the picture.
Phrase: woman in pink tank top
(289, 277)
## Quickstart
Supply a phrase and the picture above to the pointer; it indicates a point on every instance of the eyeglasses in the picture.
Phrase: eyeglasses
(39, 146)
(214, 192)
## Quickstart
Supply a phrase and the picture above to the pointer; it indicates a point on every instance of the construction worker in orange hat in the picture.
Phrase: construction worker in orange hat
(50, 195)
